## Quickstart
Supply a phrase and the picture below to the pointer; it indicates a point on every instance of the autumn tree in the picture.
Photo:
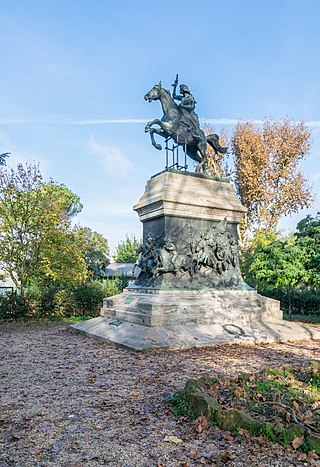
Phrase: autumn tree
(267, 177)
(37, 240)
(217, 164)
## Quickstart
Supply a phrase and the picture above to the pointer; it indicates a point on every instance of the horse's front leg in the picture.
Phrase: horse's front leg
(150, 124)
(165, 126)
(158, 131)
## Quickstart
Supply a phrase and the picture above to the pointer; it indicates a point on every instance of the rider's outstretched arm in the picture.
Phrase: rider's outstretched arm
(176, 96)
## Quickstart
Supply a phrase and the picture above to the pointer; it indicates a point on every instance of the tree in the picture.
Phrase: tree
(37, 241)
(217, 163)
(308, 238)
(267, 177)
(126, 251)
(3, 158)
(96, 253)
(276, 263)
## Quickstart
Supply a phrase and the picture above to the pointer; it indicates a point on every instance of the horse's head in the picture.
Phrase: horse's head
(154, 93)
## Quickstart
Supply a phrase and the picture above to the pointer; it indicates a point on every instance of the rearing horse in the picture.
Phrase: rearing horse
(171, 126)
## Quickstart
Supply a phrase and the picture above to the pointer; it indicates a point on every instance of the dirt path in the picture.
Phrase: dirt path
(69, 400)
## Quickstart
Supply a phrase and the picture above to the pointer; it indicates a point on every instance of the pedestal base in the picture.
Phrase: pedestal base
(138, 337)
(150, 307)
(146, 319)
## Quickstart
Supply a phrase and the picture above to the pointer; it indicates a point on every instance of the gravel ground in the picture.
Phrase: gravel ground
(70, 400)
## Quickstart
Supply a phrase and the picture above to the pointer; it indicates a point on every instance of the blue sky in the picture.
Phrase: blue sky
(74, 73)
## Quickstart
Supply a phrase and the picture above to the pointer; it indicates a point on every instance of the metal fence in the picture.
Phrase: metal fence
(6, 290)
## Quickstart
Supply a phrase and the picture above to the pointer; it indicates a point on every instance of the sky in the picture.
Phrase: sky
(74, 74)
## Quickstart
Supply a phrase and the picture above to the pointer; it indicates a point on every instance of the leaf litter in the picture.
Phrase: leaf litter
(70, 400)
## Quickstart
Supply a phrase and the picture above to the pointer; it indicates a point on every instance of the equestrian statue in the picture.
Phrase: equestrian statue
(181, 123)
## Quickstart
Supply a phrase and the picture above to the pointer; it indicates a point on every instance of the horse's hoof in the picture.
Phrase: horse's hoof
(147, 129)
(158, 146)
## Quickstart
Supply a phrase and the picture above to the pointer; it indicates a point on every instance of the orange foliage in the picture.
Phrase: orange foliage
(217, 164)
(267, 177)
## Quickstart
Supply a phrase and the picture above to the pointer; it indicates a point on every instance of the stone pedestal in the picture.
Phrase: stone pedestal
(190, 233)
(190, 291)
(188, 307)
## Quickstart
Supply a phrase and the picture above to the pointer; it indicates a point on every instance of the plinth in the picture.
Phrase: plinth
(190, 291)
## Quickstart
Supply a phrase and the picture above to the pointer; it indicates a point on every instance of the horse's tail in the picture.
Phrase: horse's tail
(213, 140)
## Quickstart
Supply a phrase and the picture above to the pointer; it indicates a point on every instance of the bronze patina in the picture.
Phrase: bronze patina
(181, 123)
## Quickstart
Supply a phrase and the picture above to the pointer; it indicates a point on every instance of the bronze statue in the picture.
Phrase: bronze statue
(187, 105)
(180, 122)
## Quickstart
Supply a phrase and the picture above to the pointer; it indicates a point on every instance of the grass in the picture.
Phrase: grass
(282, 394)
(282, 404)
(181, 405)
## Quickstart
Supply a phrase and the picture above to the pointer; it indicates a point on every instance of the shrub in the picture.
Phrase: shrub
(83, 299)
(302, 299)
(14, 306)
(111, 287)
(64, 304)
(88, 298)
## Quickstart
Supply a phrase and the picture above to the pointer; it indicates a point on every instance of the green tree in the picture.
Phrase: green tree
(126, 251)
(96, 253)
(37, 241)
(275, 263)
(308, 238)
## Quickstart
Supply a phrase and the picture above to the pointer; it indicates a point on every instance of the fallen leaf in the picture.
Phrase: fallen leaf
(307, 417)
(297, 442)
(173, 439)
(90, 458)
(295, 405)
(14, 437)
(227, 456)
(228, 436)
(201, 423)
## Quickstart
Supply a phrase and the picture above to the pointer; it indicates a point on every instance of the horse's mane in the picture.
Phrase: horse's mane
(168, 93)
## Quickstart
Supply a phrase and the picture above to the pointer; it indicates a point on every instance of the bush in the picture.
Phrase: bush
(84, 299)
(13, 306)
(88, 298)
(112, 287)
(300, 299)
(64, 304)
(42, 300)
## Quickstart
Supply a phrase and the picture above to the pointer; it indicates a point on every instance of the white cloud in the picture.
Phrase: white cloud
(111, 157)
(61, 120)
(95, 121)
